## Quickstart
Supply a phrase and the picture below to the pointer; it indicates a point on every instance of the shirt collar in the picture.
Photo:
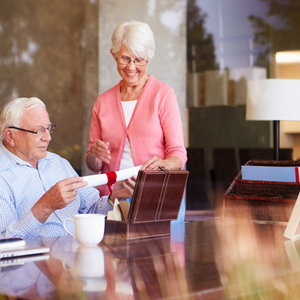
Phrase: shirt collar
(8, 159)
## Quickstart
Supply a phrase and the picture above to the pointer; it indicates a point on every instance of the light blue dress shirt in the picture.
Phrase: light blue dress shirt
(22, 185)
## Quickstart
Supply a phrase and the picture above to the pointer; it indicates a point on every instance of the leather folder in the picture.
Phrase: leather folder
(155, 202)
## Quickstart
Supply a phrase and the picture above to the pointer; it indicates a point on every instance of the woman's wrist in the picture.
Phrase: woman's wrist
(173, 163)
(94, 164)
(109, 201)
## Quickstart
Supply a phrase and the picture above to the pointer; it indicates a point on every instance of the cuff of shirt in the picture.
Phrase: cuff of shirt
(103, 206)
(31, 225)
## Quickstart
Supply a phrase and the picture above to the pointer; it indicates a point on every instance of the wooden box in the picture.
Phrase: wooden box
(261, 200)
(155, 202)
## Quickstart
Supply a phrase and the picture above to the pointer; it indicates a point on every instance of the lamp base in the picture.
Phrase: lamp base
(276, 140)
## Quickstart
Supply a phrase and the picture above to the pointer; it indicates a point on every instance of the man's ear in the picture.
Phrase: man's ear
(8, 137)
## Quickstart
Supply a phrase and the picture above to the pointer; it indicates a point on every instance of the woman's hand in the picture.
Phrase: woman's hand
(99, 154)
(123, 189)
(171, 163)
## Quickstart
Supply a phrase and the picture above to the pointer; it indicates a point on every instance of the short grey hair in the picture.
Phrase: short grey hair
(11, 112)
(136, 36)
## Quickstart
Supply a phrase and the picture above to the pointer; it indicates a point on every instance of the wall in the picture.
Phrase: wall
(47, 50)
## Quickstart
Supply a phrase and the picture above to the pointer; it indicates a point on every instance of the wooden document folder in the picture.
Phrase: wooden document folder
(155, 202)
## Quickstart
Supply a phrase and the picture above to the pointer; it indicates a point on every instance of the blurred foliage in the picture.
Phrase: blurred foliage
(280, 32)
(200, 48)
(73, 155)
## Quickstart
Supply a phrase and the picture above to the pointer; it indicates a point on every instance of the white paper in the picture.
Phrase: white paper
(293, 222)
(101, 179)
(115, 214)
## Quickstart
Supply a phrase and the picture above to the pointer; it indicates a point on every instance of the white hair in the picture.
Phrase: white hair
(12, 111)
(136, 36)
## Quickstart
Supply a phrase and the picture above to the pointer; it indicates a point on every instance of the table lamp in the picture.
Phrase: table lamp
(273, 100)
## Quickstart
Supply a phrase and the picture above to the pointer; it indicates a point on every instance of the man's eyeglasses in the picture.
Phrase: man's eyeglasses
(40, 132)
(127, 60)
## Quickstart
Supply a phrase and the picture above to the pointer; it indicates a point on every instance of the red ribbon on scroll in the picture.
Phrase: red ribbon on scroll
(111, 179)
(297, 173)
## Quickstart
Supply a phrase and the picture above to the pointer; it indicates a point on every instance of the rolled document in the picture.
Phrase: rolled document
(101, 179)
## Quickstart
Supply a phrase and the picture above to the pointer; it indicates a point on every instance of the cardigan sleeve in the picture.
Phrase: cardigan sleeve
(171, 123)
(95, 131)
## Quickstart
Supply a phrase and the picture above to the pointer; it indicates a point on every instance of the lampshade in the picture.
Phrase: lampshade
(273, 99)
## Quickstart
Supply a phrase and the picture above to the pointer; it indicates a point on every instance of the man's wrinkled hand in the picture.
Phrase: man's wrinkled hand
(57, 197)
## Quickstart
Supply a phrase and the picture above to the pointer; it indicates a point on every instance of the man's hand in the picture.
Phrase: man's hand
(57, 197)
(123, 189)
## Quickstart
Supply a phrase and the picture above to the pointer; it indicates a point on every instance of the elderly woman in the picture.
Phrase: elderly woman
(137, 122)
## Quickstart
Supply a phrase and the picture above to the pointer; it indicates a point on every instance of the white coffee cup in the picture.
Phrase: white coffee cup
(89, 228)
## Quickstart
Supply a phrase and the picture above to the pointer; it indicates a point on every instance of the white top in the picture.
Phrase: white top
(127, 159)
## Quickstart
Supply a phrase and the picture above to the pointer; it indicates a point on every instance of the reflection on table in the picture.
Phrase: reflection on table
(215, 259)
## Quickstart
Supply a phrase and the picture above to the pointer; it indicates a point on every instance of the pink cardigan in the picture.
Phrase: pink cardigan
(155, 128)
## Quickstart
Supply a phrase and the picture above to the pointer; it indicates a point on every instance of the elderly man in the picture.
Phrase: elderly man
(39, 189)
